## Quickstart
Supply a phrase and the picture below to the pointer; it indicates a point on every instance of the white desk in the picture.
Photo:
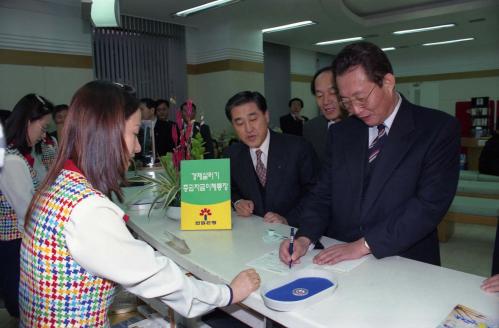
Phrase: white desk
(392, 292)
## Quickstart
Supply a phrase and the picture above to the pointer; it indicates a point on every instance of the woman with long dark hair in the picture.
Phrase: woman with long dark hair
(18, 182)
(77, 247)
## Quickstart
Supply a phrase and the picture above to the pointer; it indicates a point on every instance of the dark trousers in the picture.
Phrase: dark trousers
(9, 274)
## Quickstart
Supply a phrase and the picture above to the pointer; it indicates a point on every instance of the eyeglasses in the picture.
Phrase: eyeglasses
(355, 101)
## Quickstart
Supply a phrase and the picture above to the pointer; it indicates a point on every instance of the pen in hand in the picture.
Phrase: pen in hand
(291, 241)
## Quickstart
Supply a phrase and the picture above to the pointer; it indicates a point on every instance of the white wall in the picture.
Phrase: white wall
(443, 95)
(57, 84)
(49, 26)
(53, 26)
(304, 62)
(210, 92)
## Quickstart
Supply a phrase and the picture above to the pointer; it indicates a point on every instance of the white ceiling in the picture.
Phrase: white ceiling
(375, 20)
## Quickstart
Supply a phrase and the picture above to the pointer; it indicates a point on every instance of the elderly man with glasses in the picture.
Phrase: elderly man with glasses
(392, 169)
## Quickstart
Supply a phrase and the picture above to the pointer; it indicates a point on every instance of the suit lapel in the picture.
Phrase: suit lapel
(273, 168)
(400, 139)
(355, 148)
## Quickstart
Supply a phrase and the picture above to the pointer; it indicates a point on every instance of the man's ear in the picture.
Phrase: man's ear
(267, 117)
(389, 81)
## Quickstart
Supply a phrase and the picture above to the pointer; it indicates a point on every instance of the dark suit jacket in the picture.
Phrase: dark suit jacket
(291, 126)
(489, 157)
(315, 132)
(411, 186)
(291, 172)
(163, 137)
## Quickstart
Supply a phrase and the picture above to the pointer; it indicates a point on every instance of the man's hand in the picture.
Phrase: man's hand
(271, 217)
(337, 253)
(244, 207)
(300, 248)
(491, 285)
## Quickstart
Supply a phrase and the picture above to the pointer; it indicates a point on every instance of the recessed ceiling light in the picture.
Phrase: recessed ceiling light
(324, 43)
(206, 6)
(424, 29)
(447, 42)
(388, 48)
(288, 26)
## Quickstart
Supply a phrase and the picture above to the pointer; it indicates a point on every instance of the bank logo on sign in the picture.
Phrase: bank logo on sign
(300, 291)
(205, 212)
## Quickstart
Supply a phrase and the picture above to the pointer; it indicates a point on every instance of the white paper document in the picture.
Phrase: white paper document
(271, 262)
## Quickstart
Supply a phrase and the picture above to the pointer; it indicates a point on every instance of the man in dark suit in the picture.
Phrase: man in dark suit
(489, 157)
(292, 123)
(154, 135)
(324, 91)
(198, 127)
(270, 172)
(392, 173)
(163, 128)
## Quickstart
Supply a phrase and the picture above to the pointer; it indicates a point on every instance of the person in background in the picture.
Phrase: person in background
(59, 115)
(292, 123)
(77, 234)
(270, 172)
(163, 128)
(392, 169)
(45, 150)
(326, 96)
(199, 127)
(18, 182)
(489, 157)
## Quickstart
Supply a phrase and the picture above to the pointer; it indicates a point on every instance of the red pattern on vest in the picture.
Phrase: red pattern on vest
(54, 290)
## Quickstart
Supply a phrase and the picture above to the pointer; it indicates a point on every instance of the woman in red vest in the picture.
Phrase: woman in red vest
(77, 247)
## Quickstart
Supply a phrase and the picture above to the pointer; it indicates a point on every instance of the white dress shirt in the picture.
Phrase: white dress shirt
(373, 130)
(17, 186)
(99, 241)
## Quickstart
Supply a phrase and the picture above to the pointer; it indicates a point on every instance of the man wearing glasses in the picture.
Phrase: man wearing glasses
(392, 174)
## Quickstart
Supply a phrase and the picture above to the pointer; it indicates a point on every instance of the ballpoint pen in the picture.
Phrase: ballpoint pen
(291, 242)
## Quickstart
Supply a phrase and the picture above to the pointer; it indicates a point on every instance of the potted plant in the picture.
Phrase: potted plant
(166, 185)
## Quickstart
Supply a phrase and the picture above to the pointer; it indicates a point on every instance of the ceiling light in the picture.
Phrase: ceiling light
(324, 43)
(288, 26)
(388, 48)
(206, 6)
(424, 29)
(447, 42)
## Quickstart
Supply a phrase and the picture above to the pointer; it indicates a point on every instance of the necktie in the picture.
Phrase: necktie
(261, 171)
(377, 143)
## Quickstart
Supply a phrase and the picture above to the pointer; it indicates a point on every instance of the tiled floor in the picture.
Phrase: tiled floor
(468, 250)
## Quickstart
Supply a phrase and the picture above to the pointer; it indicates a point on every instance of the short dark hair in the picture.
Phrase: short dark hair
(29, 108)
(366, 54)
(185, 104)
(151, 104)
(162, 101)
(59, 108)
(245, 97)
(319, 72)
(295, 99)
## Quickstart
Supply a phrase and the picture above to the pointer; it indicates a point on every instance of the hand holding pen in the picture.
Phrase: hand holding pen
(299, 248)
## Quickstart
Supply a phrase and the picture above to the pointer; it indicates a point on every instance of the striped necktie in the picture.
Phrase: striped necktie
(261, 171)
(377, 143)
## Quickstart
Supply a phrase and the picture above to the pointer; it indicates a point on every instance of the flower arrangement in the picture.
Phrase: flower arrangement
(166, 185)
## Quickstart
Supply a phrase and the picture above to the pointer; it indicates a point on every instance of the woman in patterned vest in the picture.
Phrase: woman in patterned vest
(77, 247)
(24, 128)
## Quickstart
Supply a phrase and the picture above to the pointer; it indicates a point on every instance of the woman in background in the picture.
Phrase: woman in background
(24, 128)
(76, 239)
